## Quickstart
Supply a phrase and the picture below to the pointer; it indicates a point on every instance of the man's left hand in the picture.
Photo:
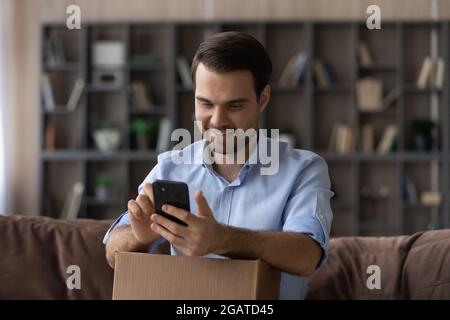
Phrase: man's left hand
(202, 236)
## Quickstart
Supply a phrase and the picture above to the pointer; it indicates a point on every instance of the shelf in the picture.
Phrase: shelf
(394, 156)
(421, 156)
(94, 88)
(77, 155)
(149, 112)
(336, 88)
(147, 68)
(357, 156)
(419, 206)
(413, 89)
(66, 67)
(389, 112)
(381, 67)
(61, 110)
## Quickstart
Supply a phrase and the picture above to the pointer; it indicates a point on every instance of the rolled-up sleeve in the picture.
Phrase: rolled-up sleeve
(308, 207)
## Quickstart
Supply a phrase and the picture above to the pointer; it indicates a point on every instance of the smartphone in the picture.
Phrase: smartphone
(171, 192)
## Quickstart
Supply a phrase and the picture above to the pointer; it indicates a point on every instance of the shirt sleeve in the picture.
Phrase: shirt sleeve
(308, 207)
(124, 219)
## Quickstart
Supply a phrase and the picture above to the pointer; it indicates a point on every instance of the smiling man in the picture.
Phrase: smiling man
(282, 218)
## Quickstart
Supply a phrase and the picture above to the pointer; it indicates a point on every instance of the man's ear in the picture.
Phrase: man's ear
(264, 98)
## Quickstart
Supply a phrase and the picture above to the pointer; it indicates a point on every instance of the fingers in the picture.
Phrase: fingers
(148, 190)
(181, 214)
(145, 204)
(167, 234)
(170, 225)
(134, 211)
(203, 208)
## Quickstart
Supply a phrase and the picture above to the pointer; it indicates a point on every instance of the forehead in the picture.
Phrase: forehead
(210, 84)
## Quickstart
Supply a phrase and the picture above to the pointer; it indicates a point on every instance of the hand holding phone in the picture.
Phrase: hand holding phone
(171, 192)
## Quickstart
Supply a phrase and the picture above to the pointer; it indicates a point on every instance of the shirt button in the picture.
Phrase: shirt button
(321, 216)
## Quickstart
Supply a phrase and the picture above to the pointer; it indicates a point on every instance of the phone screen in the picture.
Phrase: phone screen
(174, 193)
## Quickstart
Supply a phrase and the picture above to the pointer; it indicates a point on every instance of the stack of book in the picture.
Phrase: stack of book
(54, 52)
(294, 72)
(140, 98)
(431, 73)
(342, 139)
(323, 74)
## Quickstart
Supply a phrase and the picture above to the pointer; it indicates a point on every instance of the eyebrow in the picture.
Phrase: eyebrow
(237, 100)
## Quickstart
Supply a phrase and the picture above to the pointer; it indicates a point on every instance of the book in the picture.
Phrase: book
(365, 58)
(333, 139)
(184, 71)
(72, 203)
(322, 75)
(164, 133)
(50, 136)
(391, 97)
(141, 100)
(367, 139)
(425, 73)
(439, 73)
(47, 93)
(369, 94)
(75, 95)
(54, 51)
(430, 198)
(387, 139)
(294, 71)
(342, 139)
(409, 191)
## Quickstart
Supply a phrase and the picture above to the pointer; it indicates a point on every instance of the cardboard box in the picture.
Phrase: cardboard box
(152, 276)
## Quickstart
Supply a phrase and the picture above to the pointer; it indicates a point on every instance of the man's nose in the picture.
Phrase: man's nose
(219, 117)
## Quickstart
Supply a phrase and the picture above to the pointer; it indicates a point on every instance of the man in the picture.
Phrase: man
(282, 218)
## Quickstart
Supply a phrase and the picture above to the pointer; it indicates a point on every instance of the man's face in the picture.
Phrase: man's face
(226, 101)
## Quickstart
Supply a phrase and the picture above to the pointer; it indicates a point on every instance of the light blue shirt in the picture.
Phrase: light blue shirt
(295, 199)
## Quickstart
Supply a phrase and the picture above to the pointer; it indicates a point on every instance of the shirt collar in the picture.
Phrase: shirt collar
(253, 160)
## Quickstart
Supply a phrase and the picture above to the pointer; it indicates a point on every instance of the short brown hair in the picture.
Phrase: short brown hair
(233, 51)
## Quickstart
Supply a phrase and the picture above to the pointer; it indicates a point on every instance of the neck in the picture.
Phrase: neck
(229, 165)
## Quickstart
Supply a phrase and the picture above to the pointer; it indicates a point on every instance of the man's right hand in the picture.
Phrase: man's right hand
(139, 212)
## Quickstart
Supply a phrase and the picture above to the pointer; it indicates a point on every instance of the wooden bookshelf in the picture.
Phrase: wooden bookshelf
(368, 186)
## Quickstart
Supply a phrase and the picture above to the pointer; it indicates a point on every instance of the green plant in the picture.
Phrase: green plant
(104, 180)
(142, 126)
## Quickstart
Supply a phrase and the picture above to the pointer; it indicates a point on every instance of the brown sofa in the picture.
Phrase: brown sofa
(36, 251)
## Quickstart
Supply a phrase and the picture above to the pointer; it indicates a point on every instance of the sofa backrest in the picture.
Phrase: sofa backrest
(410, 267)
(36, 253)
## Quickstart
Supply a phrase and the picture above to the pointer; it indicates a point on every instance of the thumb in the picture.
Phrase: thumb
(203, 209)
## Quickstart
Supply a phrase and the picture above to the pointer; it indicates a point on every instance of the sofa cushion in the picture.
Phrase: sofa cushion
(37, 251)
(427, 267)
(345, 274)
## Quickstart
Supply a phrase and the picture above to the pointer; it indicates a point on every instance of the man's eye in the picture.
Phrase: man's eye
(235, 106)
(206, 104)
